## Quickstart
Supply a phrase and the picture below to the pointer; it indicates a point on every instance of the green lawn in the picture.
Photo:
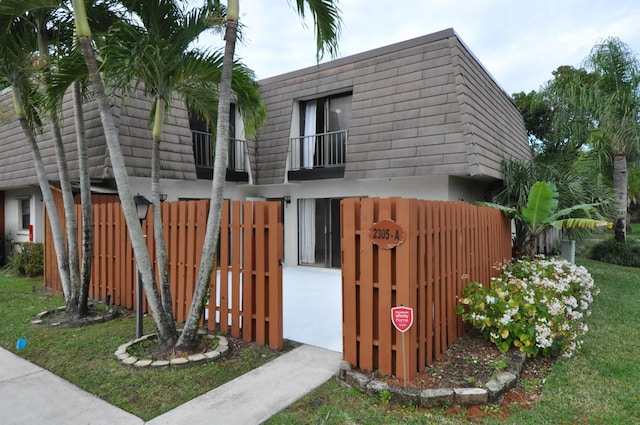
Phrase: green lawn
(84, 356)
(599, 385)
(608, 234)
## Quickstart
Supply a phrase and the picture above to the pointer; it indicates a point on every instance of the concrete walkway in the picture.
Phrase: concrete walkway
(32, 395)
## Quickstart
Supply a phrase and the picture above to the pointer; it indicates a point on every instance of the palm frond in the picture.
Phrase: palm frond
(327, 23)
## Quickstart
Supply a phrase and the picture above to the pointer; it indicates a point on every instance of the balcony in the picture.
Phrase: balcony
(203, 153)
(320, 156)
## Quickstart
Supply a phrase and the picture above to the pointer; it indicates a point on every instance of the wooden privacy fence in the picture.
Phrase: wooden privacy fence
(246, 290)
(447, 245)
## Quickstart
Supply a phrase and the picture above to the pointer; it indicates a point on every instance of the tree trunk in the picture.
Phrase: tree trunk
(620, 189)
(165, 326)
(52, 212)
(71, 222)
(187, 337)
(85, 199)
(158, 230)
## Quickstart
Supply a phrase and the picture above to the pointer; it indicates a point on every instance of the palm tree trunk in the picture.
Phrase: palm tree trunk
(71, 222)
(158, 230)
(620, 189)
(187, 337)
(165, 326)
(85, 199)
(47, 197)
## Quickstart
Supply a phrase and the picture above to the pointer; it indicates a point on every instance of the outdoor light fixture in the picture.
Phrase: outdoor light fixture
(287, 199)
(142, 207)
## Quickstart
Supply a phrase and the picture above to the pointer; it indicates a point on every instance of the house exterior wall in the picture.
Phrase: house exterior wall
(425, 187)
(427, 121)
(493, 127)
(421, 107)
(13, 231)
(132, 121)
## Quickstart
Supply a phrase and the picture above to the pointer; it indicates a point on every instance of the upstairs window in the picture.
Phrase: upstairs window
(323, 129)
(203, 147)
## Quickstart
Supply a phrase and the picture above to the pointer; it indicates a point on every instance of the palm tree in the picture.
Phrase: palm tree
(326, 19)
(52, 20)
(153, 51)
(614, 100)
(165, 327)
(19, 40)
(541, 212)
(577, 184)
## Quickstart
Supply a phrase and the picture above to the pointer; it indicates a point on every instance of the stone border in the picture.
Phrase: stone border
(100, 318)
(194, 359)
(492, 393)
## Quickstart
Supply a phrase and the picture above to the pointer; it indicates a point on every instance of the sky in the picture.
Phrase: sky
(520, 42)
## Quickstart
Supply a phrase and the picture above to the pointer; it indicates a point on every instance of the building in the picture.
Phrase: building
(421, 118)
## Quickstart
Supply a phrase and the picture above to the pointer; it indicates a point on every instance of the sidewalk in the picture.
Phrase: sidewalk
(32, 395)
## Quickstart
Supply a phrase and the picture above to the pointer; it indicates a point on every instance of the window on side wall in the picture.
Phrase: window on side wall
(25, 213)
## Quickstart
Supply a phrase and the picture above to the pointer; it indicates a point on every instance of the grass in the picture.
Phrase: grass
(84, 356)
(608, 234)
(599, 385)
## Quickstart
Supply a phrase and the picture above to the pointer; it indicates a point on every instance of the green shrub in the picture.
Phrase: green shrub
(536, 306)
(27, 259)
(613, 252)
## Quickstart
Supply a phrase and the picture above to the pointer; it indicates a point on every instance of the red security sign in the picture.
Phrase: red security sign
(387, 234)
(402, 318)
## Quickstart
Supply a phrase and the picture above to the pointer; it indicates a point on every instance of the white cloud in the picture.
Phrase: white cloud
(520, 43)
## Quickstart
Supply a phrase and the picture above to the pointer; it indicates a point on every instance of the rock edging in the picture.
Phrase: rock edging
(492, 392)
(90, 320)
(194, 359)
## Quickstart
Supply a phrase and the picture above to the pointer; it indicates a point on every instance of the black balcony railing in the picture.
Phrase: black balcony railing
(203, 152)
(318, 151)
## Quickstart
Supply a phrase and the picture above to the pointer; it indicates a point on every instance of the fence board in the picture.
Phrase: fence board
(248, 263)
(236, 232)
(365, 296)
(383, 290)
(275, 251)
(448, 245)
(350, 235)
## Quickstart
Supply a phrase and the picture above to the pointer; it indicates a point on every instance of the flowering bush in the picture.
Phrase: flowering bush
(537, 306)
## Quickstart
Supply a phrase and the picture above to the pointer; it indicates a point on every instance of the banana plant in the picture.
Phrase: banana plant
(541, 213)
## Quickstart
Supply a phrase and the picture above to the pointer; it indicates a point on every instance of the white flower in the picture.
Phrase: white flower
(556, 307)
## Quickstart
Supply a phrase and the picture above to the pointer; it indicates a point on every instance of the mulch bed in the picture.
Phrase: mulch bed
(470, 362)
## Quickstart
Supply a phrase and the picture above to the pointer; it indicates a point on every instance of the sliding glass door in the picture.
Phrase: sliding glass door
(319, 232)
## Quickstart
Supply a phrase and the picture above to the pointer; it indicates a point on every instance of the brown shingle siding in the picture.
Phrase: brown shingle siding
(420, 107)
(135, 137)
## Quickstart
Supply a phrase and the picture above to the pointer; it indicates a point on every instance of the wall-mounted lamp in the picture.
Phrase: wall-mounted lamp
(287, 199)
(163, 197)
(142, 206)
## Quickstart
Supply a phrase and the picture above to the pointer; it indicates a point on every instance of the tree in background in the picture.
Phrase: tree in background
(541, 212)
(615, 102)
(584, 123)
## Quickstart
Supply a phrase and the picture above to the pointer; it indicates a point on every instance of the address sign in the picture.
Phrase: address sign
(387, 234)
